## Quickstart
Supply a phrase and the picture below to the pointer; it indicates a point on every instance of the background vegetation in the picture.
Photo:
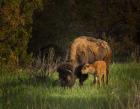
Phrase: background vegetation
(30, 29)
(16, 29)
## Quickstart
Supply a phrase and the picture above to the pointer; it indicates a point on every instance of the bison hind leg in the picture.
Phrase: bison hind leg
(104, 79)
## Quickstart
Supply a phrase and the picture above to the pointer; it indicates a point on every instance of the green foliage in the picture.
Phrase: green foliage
(16, 29)
(55, 23)
(123, 91)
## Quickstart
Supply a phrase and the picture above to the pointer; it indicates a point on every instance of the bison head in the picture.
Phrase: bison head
(66, 75)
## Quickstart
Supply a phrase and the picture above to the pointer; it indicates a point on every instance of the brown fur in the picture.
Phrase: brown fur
(81, 51)
(66, 75)
(98, 69)
(88, 50)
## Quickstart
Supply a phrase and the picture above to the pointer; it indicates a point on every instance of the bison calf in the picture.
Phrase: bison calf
(98, 69)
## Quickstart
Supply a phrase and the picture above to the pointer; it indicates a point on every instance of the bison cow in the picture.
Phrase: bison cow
(81, 51)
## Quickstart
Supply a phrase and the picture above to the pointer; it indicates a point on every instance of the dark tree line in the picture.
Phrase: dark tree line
(37, 25)
(116, 21)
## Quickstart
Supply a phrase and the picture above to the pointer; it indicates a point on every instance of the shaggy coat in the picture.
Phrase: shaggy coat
(81, 51)
(98, 69)
(88, 50)
(66, 75)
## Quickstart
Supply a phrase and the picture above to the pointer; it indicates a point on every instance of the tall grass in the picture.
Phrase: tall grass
(18, 90)
(43, 67)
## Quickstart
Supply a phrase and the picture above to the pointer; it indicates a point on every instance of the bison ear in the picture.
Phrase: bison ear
(87, 65)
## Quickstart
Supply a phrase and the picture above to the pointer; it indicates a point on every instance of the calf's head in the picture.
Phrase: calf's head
(87, 68)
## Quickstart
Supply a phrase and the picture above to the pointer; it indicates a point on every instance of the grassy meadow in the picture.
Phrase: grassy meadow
(19, 90)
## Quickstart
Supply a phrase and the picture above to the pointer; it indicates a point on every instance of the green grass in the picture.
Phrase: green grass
(19, 91)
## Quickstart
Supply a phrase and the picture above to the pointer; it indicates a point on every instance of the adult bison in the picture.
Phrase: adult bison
(85, 50)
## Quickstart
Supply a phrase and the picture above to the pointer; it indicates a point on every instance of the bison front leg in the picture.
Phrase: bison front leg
(107, 75)
(105, 79)
(95, 79)
(82, 78)
(81, 82)
(100, 80)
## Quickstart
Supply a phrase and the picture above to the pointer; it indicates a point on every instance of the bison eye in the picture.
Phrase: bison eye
(84, 68)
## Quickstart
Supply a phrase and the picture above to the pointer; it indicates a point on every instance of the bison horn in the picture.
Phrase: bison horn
(69, 70)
